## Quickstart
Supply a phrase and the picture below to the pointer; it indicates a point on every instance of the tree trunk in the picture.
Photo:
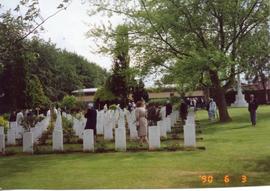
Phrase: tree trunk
(222, 105)
(220, 97)
(265, 90)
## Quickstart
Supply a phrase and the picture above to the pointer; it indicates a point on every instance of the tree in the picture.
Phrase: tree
(35, 96)
(119, 80)
(201, 37)
(257, 53)
(69, 103)
(15, 55)
(139, 93)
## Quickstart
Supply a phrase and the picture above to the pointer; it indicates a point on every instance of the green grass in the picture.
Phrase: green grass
(232, 149)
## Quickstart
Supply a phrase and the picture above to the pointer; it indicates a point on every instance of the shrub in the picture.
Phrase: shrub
(3, 122)
(104, 94)
(29, 121)
(69, 102)
(158, 101)
(6, 116)
(113, 107)
(68, 132)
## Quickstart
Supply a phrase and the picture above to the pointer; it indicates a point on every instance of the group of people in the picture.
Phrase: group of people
(150, 114)
(145, 115)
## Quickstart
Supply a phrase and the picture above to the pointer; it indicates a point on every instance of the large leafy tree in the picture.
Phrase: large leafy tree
(15, 55)
(198, 38)
(120, 78)
(32, 70)
(256, 51)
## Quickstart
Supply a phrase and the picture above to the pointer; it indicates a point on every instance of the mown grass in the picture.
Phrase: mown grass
(233, 149)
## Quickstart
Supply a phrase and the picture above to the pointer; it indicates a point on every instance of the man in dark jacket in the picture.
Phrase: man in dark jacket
(183, 111)
(252, 107)
(168, 108)
(91, 117)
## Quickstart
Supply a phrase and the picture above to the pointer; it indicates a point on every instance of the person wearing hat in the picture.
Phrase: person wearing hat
(91, 117)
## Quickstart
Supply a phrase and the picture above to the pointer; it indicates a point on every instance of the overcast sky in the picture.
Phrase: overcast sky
(68, 29)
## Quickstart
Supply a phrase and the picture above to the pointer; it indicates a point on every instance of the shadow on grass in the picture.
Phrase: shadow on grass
(262, 165)
(239, 121)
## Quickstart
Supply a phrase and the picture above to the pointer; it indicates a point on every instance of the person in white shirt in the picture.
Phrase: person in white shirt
(212, 108)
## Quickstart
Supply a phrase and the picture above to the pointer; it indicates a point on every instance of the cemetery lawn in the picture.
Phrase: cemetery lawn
(232, 149)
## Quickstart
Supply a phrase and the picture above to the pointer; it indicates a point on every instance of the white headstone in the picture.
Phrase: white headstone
(162, 128)
(100, 122)
(168, 124)
(163, 112)
(28, 142)
(2, 130)
(11, 137)
(108, 132)
(64, 114)
(2, 143)
(58, 140)
(189, 135)
(133, 132)
(120, 139)
(58, 123)
(154, 138)
(88, 140)
(121, 123)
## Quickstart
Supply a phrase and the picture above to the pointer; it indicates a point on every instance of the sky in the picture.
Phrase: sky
(68, 30)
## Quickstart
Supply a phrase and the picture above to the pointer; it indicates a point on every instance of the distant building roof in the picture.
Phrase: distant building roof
(86, 90)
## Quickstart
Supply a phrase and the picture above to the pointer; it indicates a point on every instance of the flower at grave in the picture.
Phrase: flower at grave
(29, 121)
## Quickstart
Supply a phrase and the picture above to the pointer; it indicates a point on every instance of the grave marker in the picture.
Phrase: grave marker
(120, 139)
(2, 143)
(88, 140)
(28, 142)
(58, 140)
(154, 137)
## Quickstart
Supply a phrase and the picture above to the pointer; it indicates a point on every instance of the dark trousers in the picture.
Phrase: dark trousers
(253, 117)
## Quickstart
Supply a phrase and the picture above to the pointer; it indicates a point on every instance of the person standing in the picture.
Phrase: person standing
(12, 117)
(152, 115)
(252, 107)
(141, 121)
(183, 111)
(212, 107)
(91, 117)
(168, 108)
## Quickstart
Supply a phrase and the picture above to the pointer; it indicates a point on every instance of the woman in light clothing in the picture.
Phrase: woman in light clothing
(141, 121)
(212, 110)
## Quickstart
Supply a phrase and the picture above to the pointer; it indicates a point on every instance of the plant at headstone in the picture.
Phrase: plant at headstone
(4, 123)
(113, 107)
(28, 122)
(68, 131)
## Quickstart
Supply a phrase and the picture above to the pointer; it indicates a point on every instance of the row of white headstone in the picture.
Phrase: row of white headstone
(106, 122)
(155, 132)
(163, 127)
(29, 138)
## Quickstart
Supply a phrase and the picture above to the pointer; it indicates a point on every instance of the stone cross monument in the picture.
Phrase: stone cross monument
(239, 97)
